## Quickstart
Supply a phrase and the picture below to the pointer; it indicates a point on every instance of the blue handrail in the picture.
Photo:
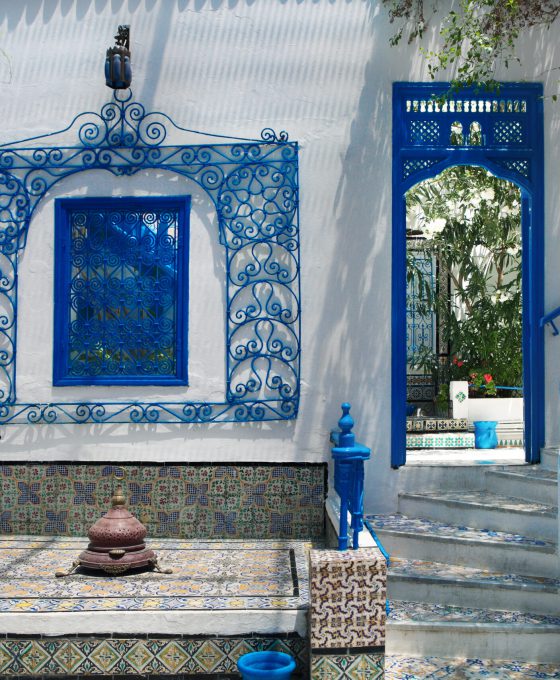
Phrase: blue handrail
(549, 318)
(498, 387)
(349, 459)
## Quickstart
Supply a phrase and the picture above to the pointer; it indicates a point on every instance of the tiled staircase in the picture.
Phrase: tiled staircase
(477, 569)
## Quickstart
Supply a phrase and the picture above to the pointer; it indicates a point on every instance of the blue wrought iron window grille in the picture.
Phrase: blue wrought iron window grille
(254, 187)
(121, 270)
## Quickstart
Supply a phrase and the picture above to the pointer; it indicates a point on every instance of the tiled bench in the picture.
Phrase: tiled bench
(223, 599)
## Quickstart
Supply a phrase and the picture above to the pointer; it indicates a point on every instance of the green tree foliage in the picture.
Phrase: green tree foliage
(476, 37)
(471, 221)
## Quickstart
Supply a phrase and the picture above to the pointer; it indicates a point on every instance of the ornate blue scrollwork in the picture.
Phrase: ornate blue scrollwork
(253, 184)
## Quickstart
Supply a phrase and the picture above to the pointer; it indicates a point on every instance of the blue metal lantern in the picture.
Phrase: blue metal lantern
(118, 71)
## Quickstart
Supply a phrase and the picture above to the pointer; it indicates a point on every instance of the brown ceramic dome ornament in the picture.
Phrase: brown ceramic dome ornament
(116, 543)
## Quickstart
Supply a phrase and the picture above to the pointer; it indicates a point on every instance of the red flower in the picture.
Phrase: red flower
(460, 363)
(488, 377)
(473, 375)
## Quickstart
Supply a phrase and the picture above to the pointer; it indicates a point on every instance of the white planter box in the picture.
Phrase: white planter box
(490, 408)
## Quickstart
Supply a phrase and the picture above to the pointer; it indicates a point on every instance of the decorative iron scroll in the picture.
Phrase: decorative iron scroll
(420, 324)
(253, 184)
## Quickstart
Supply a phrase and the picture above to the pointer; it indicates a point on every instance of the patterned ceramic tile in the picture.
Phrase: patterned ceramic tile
(430, 668)
(422, 527)
(348, 595)
(188, 501)
(347, 666)
(415, 424)
(427, 611)
(510, 441)
(429, 571)
(66, 657)
(206, 575)
(440, 440)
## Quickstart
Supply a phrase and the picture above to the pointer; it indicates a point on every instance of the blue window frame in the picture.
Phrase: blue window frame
(121, 291)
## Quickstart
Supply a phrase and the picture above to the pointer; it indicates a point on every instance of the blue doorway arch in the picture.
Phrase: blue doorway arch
(509, 143)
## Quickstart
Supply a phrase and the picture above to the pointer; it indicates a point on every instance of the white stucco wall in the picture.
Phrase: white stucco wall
(321, 70)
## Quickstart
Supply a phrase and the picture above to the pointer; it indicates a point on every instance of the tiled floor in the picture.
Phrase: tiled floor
(425, 527)
(430, 668)
(206, 575)
(427, 611)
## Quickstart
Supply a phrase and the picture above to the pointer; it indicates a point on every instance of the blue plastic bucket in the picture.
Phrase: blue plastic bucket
(485, 436)
(261, 665)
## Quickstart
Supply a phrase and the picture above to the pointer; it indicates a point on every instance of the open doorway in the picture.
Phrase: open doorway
(464, 318)
(498, 135)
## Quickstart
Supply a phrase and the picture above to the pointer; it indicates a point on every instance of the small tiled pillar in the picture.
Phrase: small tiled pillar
(348, 591)
(459, 397)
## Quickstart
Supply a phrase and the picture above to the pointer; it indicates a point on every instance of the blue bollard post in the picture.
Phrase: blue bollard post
(349, 459)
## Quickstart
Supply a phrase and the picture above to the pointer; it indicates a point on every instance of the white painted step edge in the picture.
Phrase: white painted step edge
(537, 643)
(475, 626)
(474, 594)
(188, 622)
(548, 549)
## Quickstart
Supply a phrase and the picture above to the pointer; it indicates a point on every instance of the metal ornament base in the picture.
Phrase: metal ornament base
(115, 568)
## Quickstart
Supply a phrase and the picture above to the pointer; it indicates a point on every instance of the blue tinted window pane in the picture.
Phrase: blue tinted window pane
(123, 291)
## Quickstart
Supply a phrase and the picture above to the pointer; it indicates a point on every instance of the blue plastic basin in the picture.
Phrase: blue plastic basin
(260, 665)
(485, 436)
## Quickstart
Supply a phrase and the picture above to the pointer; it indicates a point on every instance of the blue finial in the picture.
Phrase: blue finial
(346, 423)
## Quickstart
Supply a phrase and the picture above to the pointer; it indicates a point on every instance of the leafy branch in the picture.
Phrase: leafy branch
(477, 37)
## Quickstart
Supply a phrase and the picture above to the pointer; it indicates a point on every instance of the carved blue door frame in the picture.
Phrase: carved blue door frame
(511, 146)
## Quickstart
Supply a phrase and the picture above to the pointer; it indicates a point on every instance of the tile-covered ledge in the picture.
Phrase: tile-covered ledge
(146, 657)
(177, 500)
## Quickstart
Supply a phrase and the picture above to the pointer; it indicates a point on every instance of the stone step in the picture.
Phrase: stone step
(419, 628)
(425, 539)
(549, 459)
(403, 667)
(531, 482)
(471, 587)
(484, 510)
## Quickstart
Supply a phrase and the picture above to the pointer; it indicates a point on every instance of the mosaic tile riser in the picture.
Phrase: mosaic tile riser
(64, 657)
(441, 440)
(183, 501)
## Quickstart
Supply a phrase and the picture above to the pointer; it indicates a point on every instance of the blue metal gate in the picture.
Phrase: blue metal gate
(502, 132)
